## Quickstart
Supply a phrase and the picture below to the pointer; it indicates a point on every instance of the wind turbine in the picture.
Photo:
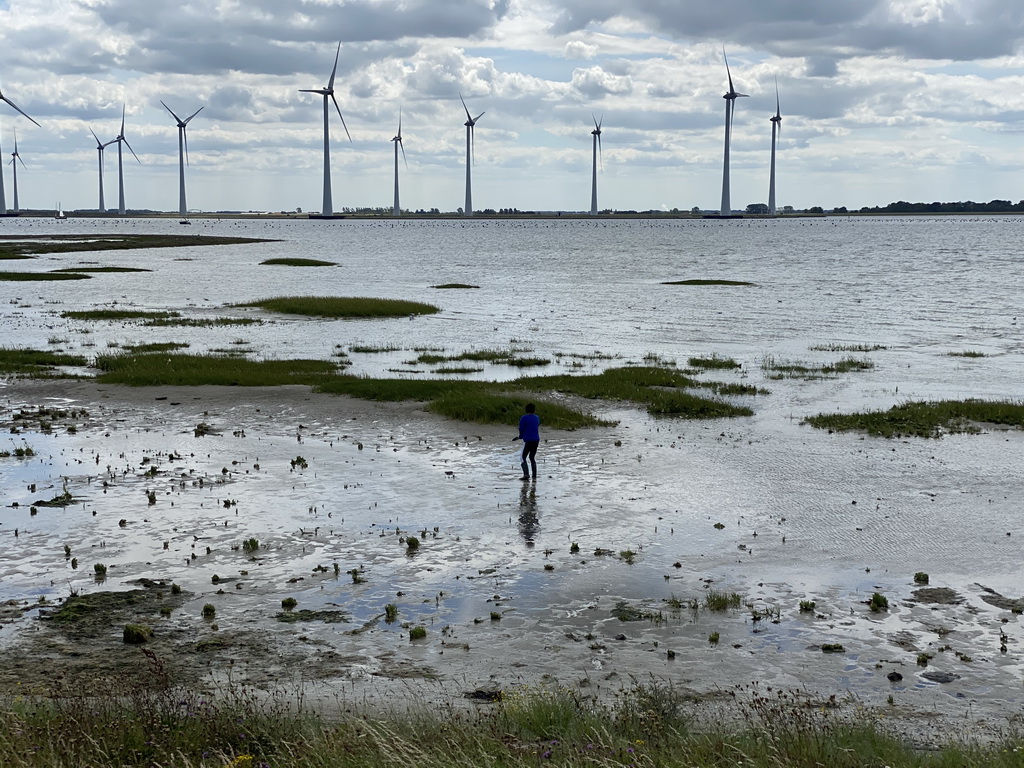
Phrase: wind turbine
(3, 199)
(15, 159)
(182, 156)
(470, 144)
(327, 210)
(776, 130)
(100, 146)
(120, 164)
(397, 211)
(596, 133)
(730, 108)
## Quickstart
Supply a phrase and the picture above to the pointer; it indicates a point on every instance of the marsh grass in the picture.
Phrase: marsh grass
(194, 370)
(291, 261)
(967, 353)
(716, 600)
(151, 722)
(13, 277)
(342, 307)
(713, 362)
(145, 349)
(198, 322)
(102, 269)
(27, 245)
(706, 282)
(34, 362)
(798, 370)
(847, 347)
(455, 286)
(925, 419)
(117, 314)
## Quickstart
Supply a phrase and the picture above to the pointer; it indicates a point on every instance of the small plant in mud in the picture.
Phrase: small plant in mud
(202, 429)
(209, 611)
(574, 548)
(151, 496)
(215, 579)
(674, 603)
(412, 543)
(250, 545)
(495, 616)
(628, 555)
(356, 576)
(417, 633)
(288, 603)
(299, 463)
(878, 603)
(390, 612)
(74, 563)
(920, 577)
(100, 570)
(67, 551)
(713, 638)
(722, 601)
(924, 658)
(833, 648)
(136, 634)
(807, 606)
(175, 589)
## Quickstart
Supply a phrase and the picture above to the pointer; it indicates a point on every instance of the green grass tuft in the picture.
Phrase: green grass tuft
(34, 361)
(103, 269)
(29, 276)
(193, 370)
(117, 314)
(713, 362)
(342, 307)
(289, 261)
(925, 419)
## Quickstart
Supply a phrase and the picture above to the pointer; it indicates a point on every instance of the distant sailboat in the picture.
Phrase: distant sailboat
(60, 213)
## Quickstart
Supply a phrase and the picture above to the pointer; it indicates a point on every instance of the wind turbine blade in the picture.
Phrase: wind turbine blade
(330, 83)
(778, 109)
(176, 118)
(99, 143)
(472, 141)
(468, 116)
(478, 117)
(727, 70)
(400, 125)
(342, 117)
(312, 90)
(122, 120)
(193, 114)
(21, 161)
(184, 137)
(400, 144)
(17, 108)
(600, 152)
(130, 149)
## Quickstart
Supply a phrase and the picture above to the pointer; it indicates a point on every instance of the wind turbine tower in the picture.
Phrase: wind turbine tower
(470, 145)
(397, 211)
(15, 159)
(120, 165)
(100, 146)
(327, 210)
(596, 133)
(776, 132)
(182, 156)
(730, 108)
(3, 199)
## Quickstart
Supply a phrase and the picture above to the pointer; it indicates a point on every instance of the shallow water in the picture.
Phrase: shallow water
(807, 515)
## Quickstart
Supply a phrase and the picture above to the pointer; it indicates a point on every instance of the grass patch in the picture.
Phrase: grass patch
(714, 362)
(17, 277)
(797, 370)
(117, 314)
(967, 353)
(103, 269)
(289, 261)
(847, 347)
(485, 407)
(198, 322)
(925, 419)
(707, 282)
(143, 349)
(365, 349)
(34, 362)
(715, 600)
(22, 246)
(457, 369)
(193, 370)
(451, 286)
(342, 307)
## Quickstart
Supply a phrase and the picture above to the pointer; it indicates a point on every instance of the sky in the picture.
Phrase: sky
(881, 100)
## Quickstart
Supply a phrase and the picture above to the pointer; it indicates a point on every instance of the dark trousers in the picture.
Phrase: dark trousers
(530, 452)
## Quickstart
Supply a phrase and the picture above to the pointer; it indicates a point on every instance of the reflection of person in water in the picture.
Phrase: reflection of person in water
(529, 522)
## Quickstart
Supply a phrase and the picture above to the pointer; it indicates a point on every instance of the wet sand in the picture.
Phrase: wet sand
(506, 598)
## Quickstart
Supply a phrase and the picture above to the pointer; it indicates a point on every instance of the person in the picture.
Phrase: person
(529, 433)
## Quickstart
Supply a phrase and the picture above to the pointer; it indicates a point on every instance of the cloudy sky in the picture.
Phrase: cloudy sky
(881, 100)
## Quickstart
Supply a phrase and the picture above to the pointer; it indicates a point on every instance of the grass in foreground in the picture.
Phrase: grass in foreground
(797, 370)
(649, 725)
(293, 261)
(342, 307)
(34, 362)
(925, 419)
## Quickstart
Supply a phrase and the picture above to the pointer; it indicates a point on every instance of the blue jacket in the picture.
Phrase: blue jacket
(529, 427)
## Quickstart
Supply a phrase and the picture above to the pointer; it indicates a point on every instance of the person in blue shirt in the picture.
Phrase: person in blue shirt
(529, 433)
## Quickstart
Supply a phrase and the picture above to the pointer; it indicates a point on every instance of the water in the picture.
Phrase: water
(918, 288)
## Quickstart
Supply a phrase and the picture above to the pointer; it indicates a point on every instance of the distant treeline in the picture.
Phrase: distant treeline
(994, 206)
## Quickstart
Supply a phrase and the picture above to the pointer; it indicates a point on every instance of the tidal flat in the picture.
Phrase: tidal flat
(595, 577)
